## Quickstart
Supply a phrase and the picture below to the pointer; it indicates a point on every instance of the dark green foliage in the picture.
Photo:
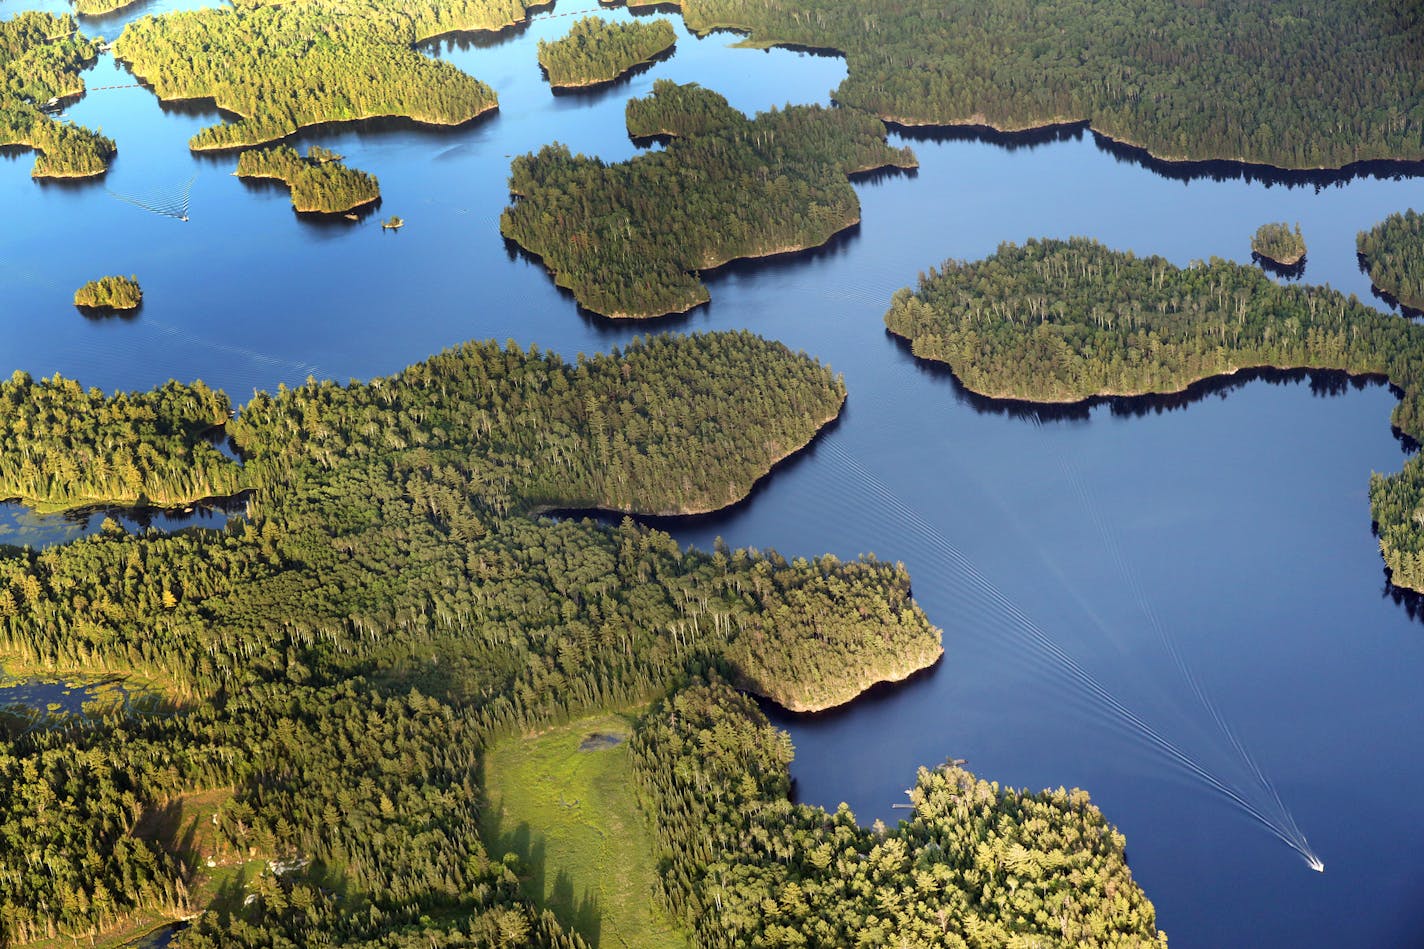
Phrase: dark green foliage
(40, 59)
(1393, 252)
(319, 182)
(62, 446)
(110, 293)
(975, 866)
(1060, 321)
(1306, 84)
(1278, 243)
(597, 51)
(343, 653)
(283, 66)
(100, 7)
(629, 238)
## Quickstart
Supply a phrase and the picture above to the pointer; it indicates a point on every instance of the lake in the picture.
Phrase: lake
(1236, 515)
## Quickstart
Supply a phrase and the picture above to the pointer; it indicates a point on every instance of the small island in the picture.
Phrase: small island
(1277, 244)
(597, 52)
(1392, 253)
(630, 239)
(320, 183)
(110, 293)
(393, 223)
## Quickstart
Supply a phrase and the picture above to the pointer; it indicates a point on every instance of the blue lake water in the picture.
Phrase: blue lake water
(1239, 511)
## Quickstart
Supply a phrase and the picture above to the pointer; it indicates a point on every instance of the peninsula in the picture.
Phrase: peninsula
(320, 183)
(1392, 253)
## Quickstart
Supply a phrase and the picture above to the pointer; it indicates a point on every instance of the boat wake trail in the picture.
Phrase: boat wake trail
(992, 609)
(168, 202)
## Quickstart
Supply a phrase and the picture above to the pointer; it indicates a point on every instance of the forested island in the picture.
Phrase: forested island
(628, 239)
(285, 66)
(101, 7)
(40, 60)
(110, 293)
(64, 447)
(1276, 243)
(596, 51)
(1392, 253)
(1064, 321)
(319, 181)
(1318, 85)
(389, 605)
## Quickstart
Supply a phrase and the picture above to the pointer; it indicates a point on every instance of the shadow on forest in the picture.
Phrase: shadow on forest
(578, 912)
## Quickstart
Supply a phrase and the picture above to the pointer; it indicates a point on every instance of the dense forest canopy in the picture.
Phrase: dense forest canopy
(975, 865)
(284, 66)
(1278, 243)
(341, 655)
(1393, 254)
(1296, 84)
(597, 51)
(40, 59)
(629, 238)
(100, 7)
(110, 293)
(319, 181)
(1061, 321)
(63, 446)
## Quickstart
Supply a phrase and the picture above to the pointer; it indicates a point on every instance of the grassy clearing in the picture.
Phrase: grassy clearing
(585, 849)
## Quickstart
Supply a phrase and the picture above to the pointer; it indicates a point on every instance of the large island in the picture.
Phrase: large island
(1066, 321)
(629, 239)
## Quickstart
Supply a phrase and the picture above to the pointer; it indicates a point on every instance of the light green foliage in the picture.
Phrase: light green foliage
(1393, 252)
(386, 608)
(319, 182)
(629, 238)
(1060, 321)
(563, 802)
(976, 865)
(1309, 84)
(110, 293)
(284, 66)
(62, 446)
(597, 51)
(1279, 243)
(40, 59)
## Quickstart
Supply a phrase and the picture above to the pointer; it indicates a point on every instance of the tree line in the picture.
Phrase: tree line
(629, 238)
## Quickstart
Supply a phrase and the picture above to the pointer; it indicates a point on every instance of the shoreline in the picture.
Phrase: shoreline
(546, 510)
